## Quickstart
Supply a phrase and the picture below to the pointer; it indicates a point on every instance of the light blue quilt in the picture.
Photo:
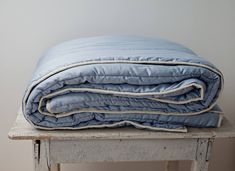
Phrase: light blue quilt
(114, 81)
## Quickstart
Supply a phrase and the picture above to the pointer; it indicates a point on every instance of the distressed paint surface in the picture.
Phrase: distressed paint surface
(49, 153)
(201, 161)
(122, 150)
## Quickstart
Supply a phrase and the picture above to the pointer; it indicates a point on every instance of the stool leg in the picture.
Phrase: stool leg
(41, 155)
(203, 155)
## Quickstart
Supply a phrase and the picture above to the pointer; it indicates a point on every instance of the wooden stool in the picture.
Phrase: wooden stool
(120, 144)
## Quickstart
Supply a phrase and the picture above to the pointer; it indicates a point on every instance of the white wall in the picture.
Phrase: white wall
(28, 27)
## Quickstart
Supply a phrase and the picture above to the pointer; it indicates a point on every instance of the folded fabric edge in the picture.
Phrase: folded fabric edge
(35, 82)
(114, 125)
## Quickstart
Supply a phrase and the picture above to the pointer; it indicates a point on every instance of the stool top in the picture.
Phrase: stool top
(22, 130)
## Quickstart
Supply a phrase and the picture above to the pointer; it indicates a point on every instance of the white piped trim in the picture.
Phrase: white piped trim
(121, 123)
(49, 113)
(119, 112)
(117, 124)
(35, 82)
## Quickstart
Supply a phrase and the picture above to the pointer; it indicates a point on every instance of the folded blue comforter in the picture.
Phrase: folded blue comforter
(116, 81)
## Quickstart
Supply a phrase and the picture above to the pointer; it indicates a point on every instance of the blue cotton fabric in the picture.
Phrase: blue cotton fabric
(113, 81)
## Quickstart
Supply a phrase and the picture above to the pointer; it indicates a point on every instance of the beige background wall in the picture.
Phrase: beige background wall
(28, 27)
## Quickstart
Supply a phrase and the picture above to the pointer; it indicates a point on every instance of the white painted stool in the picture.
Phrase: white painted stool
(120, 144)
